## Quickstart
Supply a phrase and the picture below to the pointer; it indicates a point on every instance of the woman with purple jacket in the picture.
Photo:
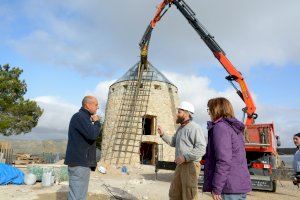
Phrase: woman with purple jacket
(226, 173)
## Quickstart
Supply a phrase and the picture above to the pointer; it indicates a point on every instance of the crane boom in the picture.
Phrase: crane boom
(260, 138)
(234, 74)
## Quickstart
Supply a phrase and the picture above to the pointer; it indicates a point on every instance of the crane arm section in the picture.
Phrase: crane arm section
(234, 74)
(144, 43)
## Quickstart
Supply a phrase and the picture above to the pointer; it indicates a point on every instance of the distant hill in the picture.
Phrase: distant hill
(38, 146)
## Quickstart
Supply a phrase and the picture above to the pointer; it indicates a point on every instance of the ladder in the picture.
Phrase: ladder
(127, 133)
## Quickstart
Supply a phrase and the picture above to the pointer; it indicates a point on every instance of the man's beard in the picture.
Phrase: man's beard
(179, 120)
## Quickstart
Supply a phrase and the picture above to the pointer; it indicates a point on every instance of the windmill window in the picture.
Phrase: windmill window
(149, 125)
(125, 86)
(157, 87)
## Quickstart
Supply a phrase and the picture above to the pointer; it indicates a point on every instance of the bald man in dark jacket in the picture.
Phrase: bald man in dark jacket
(84, 128)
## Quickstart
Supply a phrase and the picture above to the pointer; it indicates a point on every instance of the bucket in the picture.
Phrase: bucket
(102, 169)
(29, 179)
(47, 179)
(124, 170)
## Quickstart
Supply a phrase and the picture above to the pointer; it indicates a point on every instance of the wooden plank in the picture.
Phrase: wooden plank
(21, 162)
(47, 165)
(11, 156)
(5, 154)
(20, 166)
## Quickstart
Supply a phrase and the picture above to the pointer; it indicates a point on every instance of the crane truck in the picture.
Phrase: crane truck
(260, 139)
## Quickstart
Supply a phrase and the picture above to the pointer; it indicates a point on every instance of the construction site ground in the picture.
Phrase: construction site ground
(138, 183)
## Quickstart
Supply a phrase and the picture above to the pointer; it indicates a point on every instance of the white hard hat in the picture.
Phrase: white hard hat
(187, 106)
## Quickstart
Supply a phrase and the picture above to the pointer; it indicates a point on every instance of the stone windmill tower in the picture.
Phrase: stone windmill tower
(133, 111)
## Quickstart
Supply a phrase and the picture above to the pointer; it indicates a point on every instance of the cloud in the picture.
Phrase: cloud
(198, 91)
(101, 93)
(104, 35)
(57, 113)
(286, 121)
(54, 122)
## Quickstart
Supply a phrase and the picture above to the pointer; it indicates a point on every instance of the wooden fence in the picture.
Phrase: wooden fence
(6, 153)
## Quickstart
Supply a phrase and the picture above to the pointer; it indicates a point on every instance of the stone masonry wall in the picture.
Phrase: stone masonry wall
(162, 104)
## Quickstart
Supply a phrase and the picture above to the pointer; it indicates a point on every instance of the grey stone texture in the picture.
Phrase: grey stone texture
(161, 106)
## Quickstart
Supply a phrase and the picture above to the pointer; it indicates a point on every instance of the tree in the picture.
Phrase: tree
(17, 115)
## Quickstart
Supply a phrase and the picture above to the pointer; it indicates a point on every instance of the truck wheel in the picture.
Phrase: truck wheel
(274, 186)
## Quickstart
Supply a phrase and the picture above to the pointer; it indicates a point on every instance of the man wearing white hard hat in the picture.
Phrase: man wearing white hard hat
(190, 145)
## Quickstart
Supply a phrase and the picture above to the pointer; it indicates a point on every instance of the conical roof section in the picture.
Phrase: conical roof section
(132, 73)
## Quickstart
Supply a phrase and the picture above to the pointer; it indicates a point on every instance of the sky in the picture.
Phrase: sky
(69, 49)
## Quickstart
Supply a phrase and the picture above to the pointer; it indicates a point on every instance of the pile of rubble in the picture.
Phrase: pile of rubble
(25, 159)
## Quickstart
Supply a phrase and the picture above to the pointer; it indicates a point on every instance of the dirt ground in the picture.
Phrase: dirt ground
(139, 183)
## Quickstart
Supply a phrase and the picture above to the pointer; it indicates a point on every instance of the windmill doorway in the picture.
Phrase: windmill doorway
(147, 153)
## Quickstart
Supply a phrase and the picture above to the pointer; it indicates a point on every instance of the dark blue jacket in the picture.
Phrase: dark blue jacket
(226, 170)
(81, 148)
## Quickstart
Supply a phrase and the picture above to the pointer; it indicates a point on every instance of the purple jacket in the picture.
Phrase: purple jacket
(226, 170)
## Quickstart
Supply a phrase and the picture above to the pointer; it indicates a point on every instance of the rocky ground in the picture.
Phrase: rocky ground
(139, 183)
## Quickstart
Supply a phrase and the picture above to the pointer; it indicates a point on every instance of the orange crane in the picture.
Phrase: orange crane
(260, 139)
